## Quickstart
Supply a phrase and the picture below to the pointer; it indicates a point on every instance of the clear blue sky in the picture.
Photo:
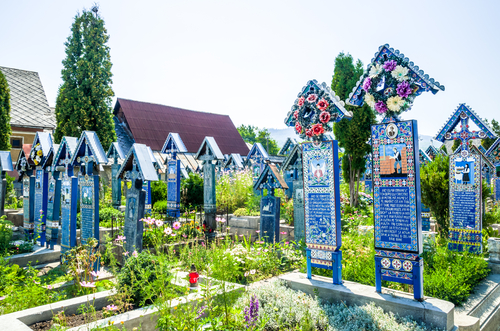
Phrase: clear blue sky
(249, 59)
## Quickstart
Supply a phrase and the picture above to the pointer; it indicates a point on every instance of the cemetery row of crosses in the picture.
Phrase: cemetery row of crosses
(135, 261)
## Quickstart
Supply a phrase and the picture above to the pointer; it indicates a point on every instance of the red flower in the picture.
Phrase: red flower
(296, 114)
(318, 129)
(309, 133)
(322, 104)
(298, 127)
(312, 98)
(324, 117)
(301, 101)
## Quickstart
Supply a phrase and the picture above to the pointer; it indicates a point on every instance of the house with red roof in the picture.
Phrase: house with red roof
(149, 124)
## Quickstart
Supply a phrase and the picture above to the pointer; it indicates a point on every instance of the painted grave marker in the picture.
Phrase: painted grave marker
(389, 86)
(209, 152)
(5, 165)
(312, 113)
(234, 162)
(68, 191)
(465, 180)
(424, 158)
(293, 165)
(115, 152)
(40, 149)
(270, 179)
(138, 168)
(24, 167)
(172, 146)
(256, 161)
(88, 155)
(54, 198)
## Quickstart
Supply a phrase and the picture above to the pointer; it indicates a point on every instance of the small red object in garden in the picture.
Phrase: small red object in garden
(193, 276)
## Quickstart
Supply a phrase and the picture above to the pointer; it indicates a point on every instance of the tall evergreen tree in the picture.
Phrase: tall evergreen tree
(352, 134)
(5, 129)
(84, 98)
(495, 126)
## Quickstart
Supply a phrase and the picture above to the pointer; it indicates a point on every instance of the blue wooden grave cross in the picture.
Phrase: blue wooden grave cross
(24, 167)
(173, 145)
(116, 153)
(269, 180)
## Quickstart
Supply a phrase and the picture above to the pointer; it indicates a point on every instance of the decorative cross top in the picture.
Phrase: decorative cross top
(462, 114)
(87, 162)
(270, 179)
(135, 173)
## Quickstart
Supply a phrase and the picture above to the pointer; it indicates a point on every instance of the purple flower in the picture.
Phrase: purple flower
(367, 84)
(87, 284)
(380, 107)
(390, 65)
(252, 312)
(201, 311)
(404, 89)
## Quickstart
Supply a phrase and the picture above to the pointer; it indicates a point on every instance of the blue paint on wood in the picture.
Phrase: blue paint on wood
(173, 188)
(53, 207)
(69, 200)
(40, 203)
(147, 199)
(270, 219)
(397, 207)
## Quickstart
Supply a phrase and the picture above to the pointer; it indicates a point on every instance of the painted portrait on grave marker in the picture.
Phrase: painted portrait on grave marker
(65, 193)
(38, 179)
(393, 160)
(26, 187)
(318, 171)
(131, 208)
(464, 171)
(52, 187)
(87, 195)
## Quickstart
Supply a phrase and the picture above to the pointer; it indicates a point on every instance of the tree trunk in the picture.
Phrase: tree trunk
(357, 189)
(351, 183)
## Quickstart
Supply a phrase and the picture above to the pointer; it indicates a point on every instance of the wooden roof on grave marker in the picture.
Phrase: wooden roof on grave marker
(50, 158)
(155, 162)
(292, 157)
(455, 118)
(423, 156)
(174, 143)
(270, 170)
(289, 144)
(67, 143)
(493, 152)
(425, 83)
(5, 161)
(234, 159)
(258, 149)
(115, 148)
(90, 138)
(435, 151)
(45, 141)
(209, 148)
(139, 153)
(484, 158)
(325, 89)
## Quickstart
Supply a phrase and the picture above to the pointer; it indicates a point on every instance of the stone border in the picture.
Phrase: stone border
(40, 255)
(438, 313)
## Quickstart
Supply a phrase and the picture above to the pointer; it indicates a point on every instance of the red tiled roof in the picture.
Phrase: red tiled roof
(151, 123)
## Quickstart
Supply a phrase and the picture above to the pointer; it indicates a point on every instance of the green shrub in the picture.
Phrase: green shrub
(107, 214)
(5, 234)
(160, 206)
(233, 189)
(192, 190)
(158, 191)
(245, 212)
(138, 271)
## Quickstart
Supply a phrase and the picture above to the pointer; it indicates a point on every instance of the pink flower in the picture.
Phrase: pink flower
(220, 220)
(252, 272)
(134, 254)
(322, 104)
(120, 238)
(312, 98)
(283, 232)
(111, 307)
(246, 274)
(296, 114)
(300, 102)
(176, 225)
(95, 274)
(318, 129)
(287, 242)
(184, 235)
(309, 133)
(173, 234)
(49, 287)
(240, 235)
(158, 223)
(324, 117)
(167, 230)
(258, 231)
(203, 244)
(87, 284)
(298, 127)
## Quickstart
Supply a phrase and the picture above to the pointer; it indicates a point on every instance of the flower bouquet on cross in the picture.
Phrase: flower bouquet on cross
(314, 110)
(391, 83)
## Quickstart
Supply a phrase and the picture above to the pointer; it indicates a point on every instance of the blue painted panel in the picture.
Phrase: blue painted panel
(465, 203)
(270, 219)
(173, 188)
(69, 200)
(147, 187)
(53, 207)
(89, 207)
(40, 203)
(426, 218)
(28, 204)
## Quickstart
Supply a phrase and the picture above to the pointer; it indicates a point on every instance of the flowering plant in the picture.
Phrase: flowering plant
(315, 108)
(388, 87)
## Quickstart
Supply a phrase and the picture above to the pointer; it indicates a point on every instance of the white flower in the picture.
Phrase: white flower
(38, 158)
(375, 70)
(370, 100)
(395, 103)
(400, 73)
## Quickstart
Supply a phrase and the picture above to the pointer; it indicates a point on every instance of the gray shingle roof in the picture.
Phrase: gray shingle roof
(28, 103)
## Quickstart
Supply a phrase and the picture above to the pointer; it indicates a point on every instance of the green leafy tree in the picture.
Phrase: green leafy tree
(247, 132)
(264, 137)
(495, 126)
(5, 129)
(84, 98)
(435, 192)
(456, 143)
(352, 134)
